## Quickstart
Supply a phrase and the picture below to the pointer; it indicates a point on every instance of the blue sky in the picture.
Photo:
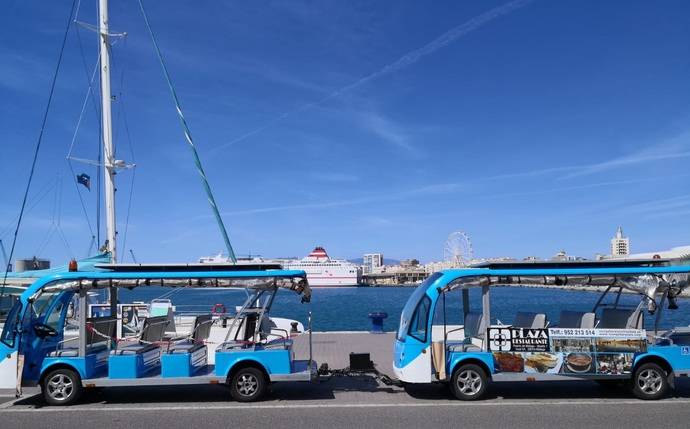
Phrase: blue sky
(360, 126)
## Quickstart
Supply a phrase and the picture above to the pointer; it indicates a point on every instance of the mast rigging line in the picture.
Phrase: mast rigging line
(38, 142)
(188, 137)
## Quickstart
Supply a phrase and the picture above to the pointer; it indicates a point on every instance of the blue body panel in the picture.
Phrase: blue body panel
(183, 364)
(274, 361)
(678, 357)
(134, 365)
(456, 358)
(89, 366)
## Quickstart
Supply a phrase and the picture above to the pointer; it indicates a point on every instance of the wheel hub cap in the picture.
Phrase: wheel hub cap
(60, 387)
(247, 384)
(469, 382)
(649, 381)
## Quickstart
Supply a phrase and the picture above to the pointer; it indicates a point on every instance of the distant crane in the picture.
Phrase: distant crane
(131, 252)
(4, 256)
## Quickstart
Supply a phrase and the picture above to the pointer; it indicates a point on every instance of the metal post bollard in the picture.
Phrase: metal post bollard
(377, 321)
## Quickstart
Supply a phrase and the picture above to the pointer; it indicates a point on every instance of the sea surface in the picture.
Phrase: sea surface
(348, 308)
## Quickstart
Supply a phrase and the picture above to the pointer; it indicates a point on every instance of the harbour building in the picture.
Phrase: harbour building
(372, 262)
(620, 245)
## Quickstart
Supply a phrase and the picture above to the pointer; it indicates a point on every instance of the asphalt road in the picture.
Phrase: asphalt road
(357, 403)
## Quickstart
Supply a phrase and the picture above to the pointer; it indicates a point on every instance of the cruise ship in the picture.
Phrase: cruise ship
(322, 271)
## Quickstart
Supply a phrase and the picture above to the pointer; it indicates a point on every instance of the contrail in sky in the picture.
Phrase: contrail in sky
(405, 61)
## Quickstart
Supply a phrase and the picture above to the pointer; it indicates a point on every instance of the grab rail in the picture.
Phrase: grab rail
(310, 345)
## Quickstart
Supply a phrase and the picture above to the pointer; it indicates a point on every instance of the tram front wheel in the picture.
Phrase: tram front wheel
(650, 381)
(469, 382)
(248, 384)
(61, 387)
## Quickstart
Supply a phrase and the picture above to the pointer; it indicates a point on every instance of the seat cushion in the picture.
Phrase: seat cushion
(186, 347)
(74, 351)
(463, 347)
(233, 345)
(279, 342)
(133, 349)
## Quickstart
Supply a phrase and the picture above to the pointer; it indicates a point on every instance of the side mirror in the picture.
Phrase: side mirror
(42, 330)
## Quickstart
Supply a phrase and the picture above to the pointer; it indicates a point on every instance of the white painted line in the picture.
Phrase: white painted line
(192, 407)
(8, 403)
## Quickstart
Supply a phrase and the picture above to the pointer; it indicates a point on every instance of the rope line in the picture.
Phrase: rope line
(38, 145)
(188, 137)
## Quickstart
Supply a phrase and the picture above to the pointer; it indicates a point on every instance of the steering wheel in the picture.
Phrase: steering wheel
(42, 330)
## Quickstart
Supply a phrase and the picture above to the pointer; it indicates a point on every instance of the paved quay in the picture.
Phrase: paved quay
(354, 402)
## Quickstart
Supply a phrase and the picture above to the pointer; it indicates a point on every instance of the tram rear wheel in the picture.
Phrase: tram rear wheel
(650, 381)
(469, 382)
(248, 384)
(61, 387)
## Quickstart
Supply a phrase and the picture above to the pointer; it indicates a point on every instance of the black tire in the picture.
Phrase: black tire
(469, 382)
(248, 384)
(650, 381)
(62, 387)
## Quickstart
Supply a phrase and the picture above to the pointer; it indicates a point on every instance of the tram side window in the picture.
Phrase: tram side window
(11, 324)
(418, 324)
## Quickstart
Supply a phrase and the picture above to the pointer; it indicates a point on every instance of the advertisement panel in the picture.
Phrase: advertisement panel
(565, 351)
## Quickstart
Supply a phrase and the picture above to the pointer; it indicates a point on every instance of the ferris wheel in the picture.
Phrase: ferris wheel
(458, 249)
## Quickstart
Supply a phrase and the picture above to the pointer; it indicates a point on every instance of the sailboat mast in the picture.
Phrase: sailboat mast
(108, 154)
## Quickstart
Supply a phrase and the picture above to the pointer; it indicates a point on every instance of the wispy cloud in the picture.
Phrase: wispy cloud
(401, 63)
(562, 189)
(439, 188)
(335, 177)
(658, 153)
(675, 148)
(387, 131)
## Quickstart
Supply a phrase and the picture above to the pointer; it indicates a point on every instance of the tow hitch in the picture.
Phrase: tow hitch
(360, 364)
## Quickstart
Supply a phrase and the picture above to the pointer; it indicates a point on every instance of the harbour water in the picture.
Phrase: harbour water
(347, 308)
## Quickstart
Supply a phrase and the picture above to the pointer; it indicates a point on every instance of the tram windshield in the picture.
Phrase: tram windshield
(9, 333)
(412, 304)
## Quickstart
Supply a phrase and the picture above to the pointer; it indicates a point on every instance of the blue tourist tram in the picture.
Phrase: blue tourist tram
(52, 336)
(608, 343)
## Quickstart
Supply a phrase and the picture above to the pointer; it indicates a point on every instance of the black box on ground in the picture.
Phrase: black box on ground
(361, 362)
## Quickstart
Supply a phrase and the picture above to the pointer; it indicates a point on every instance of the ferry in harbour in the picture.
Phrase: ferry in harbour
(322, 270)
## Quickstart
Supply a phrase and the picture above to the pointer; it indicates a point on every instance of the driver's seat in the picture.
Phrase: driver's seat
(98, 337)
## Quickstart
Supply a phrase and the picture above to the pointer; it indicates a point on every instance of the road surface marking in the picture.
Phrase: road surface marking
(192, 407)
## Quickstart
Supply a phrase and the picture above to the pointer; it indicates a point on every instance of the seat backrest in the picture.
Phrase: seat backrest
(576, 319)
(249, 326)
(202, 327)
(620, 318)
(266, 326)
(570, 319)
(154, 328)
(474, 325)
(105, 326)
(588, 321)
(524, 319)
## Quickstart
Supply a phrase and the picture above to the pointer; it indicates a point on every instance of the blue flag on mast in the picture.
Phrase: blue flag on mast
(84, 179)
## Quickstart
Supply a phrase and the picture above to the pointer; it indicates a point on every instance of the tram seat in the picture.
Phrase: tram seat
(524, 319)
(270, 340)
(619, 318)
(474, 328)
(151, 333)
(200, 333)
(95, 342)
(576, 319)
(234, 345)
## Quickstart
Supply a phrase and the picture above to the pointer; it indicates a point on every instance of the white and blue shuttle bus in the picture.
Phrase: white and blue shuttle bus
(607, 343)
(53, 338)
